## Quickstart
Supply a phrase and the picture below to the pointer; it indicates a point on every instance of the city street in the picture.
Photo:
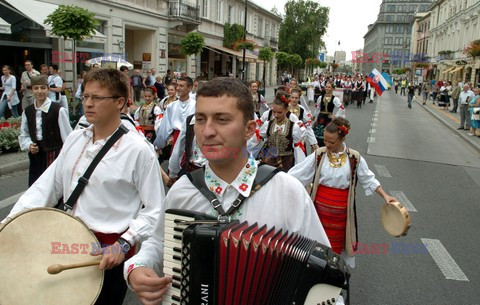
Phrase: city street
(435, 174)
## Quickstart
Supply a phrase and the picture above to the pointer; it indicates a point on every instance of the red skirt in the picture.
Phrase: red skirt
(331, 205)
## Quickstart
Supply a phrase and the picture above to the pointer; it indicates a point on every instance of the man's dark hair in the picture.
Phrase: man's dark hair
(188, 80)
(54, 67)
(123, 68)
(113, 80)
(230, 87)
(28, 60)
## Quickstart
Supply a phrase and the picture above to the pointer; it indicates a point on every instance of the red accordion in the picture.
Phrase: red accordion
(237, 263)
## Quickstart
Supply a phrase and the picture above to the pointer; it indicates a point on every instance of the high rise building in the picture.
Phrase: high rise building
(387, 41)
(340, 57)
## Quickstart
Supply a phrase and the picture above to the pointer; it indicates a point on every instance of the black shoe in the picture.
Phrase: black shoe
(370, 102)
(459, 128)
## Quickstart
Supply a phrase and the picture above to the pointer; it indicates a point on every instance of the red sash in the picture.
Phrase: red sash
(331, 205)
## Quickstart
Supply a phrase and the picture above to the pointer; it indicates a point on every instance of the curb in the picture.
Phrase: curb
(14, 167)
(466, 138)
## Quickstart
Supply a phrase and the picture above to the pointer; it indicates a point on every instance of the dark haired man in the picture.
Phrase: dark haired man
(176, 114)
(55, 84)
(118, 203)
(224, 121)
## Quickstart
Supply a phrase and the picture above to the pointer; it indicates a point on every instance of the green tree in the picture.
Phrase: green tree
(282, 59)
(72, 22)
(294, 61)
(192, 43)
(302, 28)
(231, 34)
(265, 54)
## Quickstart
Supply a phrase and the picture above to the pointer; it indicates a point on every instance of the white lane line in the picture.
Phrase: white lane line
(10, 200)
(403, 200)
(373, 124)
(444, 260)
(382, 171)
(374, 119)
(370, 140)
(373, 130)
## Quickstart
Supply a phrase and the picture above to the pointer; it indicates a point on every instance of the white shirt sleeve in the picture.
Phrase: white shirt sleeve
(64, 123)
(24, 138)
(165, 129)
(157, 111)
(136, 115)
(366, 177)
(298, 134)
(177, 153)
(340, 108)
(305, 170)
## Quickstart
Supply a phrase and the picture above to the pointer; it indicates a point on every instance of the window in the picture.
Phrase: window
(388, 40)
(390, 8)
(400, 29)
(398, 40)
(219, 10)
(205, 8)
(241, 16)
(390, 18)
(274, 30)
(230, 14)
(267, 30)
(260, 27)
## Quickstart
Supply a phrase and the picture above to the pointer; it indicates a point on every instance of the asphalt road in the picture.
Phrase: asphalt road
(435, 174)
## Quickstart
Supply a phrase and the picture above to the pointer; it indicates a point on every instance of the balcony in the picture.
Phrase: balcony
(184, 13)
(273, 39)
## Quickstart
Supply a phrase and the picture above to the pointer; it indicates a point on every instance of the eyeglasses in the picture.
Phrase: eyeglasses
(96, 98)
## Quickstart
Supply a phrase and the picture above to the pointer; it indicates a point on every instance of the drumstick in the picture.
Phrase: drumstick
(57, 268)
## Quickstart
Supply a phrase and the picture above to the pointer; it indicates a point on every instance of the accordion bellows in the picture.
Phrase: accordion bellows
(240, 263)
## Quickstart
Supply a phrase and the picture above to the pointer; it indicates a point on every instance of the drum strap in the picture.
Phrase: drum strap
(197, 178)
(83, 181)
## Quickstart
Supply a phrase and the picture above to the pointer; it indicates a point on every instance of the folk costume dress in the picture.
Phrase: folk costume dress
(259, 103)
(325, 107)
(283, 143)
(305, 116)
(333, 177)
(149, 117)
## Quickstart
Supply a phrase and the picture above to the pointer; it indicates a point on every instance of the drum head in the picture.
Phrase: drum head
(395, 219)
(36, 239)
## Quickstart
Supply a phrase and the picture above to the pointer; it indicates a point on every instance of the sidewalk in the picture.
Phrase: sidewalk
(13, 162)
(451, 121)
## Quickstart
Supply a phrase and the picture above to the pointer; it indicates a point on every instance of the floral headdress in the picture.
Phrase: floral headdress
(285, 100)
(343, 129)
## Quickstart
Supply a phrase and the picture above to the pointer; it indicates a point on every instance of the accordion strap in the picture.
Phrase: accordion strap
(264, 174)
(83, 181)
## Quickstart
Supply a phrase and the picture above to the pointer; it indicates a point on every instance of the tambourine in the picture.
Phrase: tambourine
(395, 219)
(33, 241)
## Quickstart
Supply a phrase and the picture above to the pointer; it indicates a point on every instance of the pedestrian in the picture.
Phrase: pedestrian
(304, 115)
(455, 94)
(44, 69)
(55, 84)
(160, 88)
(411, 94)
(9, 96)
(403, 86)
(474, 107)
(333, 172)
(395, 82)
(168, 77)
(79, 92)
(426, 92)
(464, 98)
(26, 88)
(124, 195)
(281, 202)
(258, 100)
(283, 138)
(170, 98)
(45, 127)
(327, 108)
(137, 85)
(148, 115)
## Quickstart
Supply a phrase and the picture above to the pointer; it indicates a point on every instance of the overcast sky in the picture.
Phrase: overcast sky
(348, 21)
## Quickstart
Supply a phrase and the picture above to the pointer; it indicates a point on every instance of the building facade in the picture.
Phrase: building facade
(387, 41)
(454, 25)
(146, 33)
(340, 57)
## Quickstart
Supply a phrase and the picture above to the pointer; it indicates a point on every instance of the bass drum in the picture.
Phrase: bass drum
(34, 240)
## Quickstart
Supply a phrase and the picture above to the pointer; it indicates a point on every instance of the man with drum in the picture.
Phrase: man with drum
(124, 196)
(224, 121)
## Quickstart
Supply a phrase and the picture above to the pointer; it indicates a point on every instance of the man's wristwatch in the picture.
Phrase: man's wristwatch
(126, 246)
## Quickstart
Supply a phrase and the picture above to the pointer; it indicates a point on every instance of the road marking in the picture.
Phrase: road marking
(370, 140)
(374, 119)
(373, 130)
(10, 200)
(403, 200)
(382, 171)
(373, 124)
(444, 260)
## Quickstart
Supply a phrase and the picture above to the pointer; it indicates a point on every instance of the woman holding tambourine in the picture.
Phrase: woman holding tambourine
(333, 172)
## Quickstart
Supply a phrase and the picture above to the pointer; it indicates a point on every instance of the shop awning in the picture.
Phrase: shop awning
(38, 11)
(456, 70)
(239, 54)
(5, 27)
(448, 70)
